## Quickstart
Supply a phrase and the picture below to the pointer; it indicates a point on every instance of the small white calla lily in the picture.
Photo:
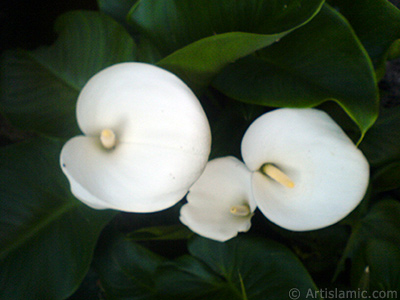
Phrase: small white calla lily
(220, 203)
(146, 140)
(307, 174)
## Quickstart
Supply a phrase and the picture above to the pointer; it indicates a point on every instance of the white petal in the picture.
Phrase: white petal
(157, 132)
(226, 182)
(130, 177)
(329, 172)
(144, 104)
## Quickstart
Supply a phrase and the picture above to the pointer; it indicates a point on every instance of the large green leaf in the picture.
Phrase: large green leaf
(161, 233)
(381, 222)
(376, 269)
(118, 9)
(199, 62)
(126, 269)
(233, 118)
(381, 144)
(376, 22)
(320, 61)
(47, 237)
(206, 35)
(388, 177)
(242, 268)
(319, 250)
(173, 24)
(383, 259)
(39, 89)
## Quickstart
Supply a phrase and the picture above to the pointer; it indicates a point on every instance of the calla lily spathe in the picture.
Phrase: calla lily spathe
(220, 204)
(146, 140)
(307, 174)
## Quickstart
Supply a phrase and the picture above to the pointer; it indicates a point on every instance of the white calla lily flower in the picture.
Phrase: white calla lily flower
(220, 204)
(146, 140)
(307, 174)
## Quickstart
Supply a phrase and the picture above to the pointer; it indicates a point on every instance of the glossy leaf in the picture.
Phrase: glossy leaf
(188, 278)
(47, 237)
(318, 250)
(206, 35)
(394, 50)
(160, 233)
(242, 268)
(173, 24)
(376, 23)
(199, 62)
(381, 144)
(39, 88)
(383, 259)
(306, 68)
(126, 269)
(382, 222)
(118, 9)
(388, 177)
(235, 118)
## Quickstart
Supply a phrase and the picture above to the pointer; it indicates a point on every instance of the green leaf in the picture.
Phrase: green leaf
(47, 237)
(388, 177)
(383, 259)
(319, 250)
(199, 62)
(233, 117)
(188, 278)
(126, 269)
(39, 89)
(118, 9)
(206, 35)
(394, 50)
(173, 24)
(381, 144)
(318, 62)
(161, 233)
(376, 269)
(381, 222)
(376, 23)
(243, 267)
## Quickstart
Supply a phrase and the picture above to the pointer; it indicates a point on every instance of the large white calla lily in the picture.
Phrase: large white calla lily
(220, 203)
(146, 140)
(307, 174)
